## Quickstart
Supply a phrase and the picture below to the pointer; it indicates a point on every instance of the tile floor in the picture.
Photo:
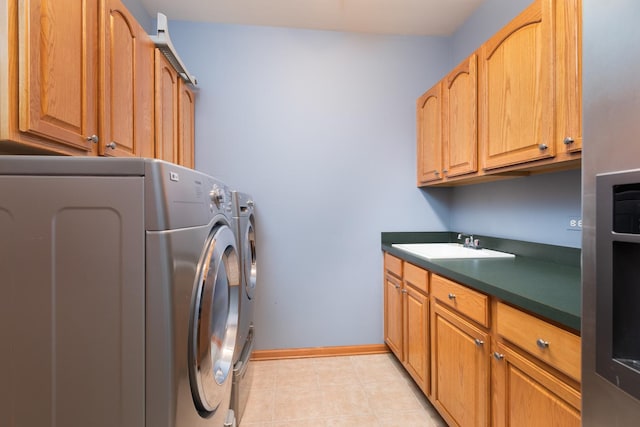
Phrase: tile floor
(348, 391)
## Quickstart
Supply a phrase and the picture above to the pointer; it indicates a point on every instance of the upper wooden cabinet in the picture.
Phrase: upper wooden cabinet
(186, 125)
(429, 132)
(126, 84)
(74, 76)
(166, 109)
(460, 119)
(48, 66)
(516, 96)
(522, 115)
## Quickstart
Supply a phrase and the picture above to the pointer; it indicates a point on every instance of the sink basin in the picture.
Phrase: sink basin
(449, 251)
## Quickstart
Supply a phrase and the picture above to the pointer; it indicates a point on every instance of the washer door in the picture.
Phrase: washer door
(214, 320)
(249, 258)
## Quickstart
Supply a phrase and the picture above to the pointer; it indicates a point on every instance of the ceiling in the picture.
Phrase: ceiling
(409, 17)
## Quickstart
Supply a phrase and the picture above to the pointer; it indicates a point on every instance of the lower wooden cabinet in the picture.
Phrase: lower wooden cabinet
(527, 394)
(460, 369)
(406, 318)
(481, 362)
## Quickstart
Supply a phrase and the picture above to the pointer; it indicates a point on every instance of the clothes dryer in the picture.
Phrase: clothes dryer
(244, 220)
(120, 297)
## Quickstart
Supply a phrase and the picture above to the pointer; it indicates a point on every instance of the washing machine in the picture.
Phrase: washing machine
(120, 295)
(244, 221)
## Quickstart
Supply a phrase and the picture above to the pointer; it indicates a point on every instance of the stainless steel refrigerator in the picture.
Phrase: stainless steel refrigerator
(611, 214)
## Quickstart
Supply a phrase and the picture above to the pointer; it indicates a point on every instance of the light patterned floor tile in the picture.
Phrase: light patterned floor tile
(347, 391)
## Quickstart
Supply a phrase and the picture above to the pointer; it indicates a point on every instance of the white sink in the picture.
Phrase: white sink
(449, 251)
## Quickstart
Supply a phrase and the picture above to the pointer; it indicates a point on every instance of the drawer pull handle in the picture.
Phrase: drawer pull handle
(479, 342)
(452, 296)
(542, 343)
(498, 356)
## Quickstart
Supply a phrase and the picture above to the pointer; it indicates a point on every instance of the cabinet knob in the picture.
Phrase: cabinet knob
(396, 286)
(93, 138)
(568, 140)
(112, 145)
(543, 147)
(452, 296)
(542, 343)
(404, 291)
(498, 356)
(479, 342)
(436, 173)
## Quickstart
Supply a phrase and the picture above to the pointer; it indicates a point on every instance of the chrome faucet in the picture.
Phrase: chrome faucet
(469, 241)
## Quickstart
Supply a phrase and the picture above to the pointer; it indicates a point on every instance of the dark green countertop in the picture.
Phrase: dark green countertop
(542, 279)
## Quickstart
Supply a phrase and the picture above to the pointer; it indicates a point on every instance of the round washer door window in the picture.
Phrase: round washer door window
(249, 258)
(214, 320)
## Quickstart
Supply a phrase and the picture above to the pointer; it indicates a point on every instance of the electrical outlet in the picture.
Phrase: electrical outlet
(575, 223)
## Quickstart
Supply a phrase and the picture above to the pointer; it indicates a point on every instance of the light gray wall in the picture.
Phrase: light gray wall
(534, 208)
(320, 128)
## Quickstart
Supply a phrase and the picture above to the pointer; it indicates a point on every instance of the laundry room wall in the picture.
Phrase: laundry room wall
(535, 208)
(319, 126)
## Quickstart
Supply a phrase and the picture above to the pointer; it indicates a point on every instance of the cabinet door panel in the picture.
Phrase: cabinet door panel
(186, 116)
(416, 322)
(166, 109)
(460, 119)
(393, 315)
(460, 370)
(429, 134)
(528, 396)
(57, 69)
(518, 90)
(126, 84)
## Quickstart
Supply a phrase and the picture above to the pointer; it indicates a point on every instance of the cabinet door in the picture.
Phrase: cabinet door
(460, 119)
(186, 117)
(460, 369)
(126, 84)
(517, 106)
(569, 75)
(416, 327)
(393, 314)
(526, 395)
(166, 117)
(57, 66)
(429, 133)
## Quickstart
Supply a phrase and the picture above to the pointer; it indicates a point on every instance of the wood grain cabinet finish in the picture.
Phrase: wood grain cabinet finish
(186, 125)
(406, 317)
(555, 346)
(48, 65)
(517, 98)
(460, 119)
(126, 84)
(487, 363)
(429, 133)
(174, 114)
(416, 358)
(393, 304)
(75, 78)
(460, 369)
(514, 108)
(527, 395)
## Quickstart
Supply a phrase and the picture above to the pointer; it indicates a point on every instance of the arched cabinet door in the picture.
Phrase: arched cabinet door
(214, 320)
(517, 92)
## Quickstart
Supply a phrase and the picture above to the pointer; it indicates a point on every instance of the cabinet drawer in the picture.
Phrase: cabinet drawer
(392, 264)
(416, 277)
(468, 302)
(549, 343)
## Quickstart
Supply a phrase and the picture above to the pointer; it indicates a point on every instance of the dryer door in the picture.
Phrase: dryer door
(249, 257)
(214, 320)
